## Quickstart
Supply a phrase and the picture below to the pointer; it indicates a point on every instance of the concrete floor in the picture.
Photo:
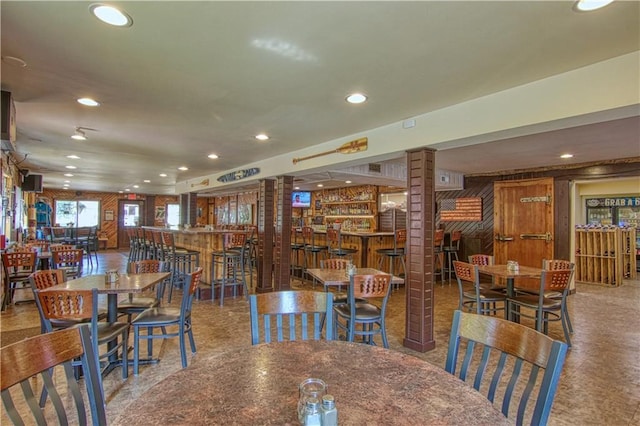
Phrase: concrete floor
(600, 384)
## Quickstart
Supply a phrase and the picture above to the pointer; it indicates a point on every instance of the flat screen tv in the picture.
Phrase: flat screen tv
(301, 199)
(32, 183)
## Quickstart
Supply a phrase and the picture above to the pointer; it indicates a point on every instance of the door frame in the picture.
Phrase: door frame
(122, 241)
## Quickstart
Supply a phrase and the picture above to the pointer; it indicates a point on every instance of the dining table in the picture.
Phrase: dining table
(510, 275)
(125, 284)
(339, 277)
(258, 385)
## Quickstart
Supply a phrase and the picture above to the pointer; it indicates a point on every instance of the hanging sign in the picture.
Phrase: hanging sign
(240, 174)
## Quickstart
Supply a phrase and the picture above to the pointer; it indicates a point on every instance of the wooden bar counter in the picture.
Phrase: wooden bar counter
(365, 242)
(201, 240)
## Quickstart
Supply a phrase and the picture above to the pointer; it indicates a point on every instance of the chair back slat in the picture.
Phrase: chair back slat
(66, 304)
(481, 259)
(301, 311)
(534, 360)
(334, 263)
(371, 286)
(45, 352)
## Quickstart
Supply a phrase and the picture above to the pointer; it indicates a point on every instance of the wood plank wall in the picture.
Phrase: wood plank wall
(108, 201)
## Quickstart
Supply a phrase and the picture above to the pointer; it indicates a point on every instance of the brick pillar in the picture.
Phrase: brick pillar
(266, 218)
(420, 260)
(282, 254)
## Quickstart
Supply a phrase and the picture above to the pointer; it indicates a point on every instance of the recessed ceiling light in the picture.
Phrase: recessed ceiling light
(110, 15)
(70, 167)
(67, 181)
(68, 174)
(262, 137)
(183, 168)
(73, 157)
(347, 181)
(136, 186)
(65, 185)
(88, 102)
(163, 175)
(146, 181)
(320, 185)
(212, 156)
(566, 156)
(356, 98)
(127, 189)
(589, 5)
(120, 192)
(296, 188)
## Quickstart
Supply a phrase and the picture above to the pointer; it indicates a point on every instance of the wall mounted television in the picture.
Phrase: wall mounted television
(301, 199)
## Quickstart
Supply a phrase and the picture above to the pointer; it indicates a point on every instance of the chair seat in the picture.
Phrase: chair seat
(315, 248)
(391, 252)
(66, 323)
(109, 331)
(343, 251)
(228, 253)
(364, 311)
(343, 298)
(486, 295)
(531, 301)
(138, 303)
(157, 316)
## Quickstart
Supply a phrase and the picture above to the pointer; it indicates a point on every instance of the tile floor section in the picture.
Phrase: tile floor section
(600, 384)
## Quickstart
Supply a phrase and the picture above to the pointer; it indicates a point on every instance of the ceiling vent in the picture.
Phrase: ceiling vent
(375, 167)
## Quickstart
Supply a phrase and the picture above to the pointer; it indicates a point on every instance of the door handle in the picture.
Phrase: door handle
(546, 236)
(503, 238)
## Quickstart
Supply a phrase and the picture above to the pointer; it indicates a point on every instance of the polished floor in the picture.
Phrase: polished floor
(600, 384)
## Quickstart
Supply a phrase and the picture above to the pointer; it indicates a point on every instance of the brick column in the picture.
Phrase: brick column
(419, 246)
(266, 216)
(282, 254)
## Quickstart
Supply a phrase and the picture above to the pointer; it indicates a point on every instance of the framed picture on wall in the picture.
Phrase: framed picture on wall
(160, 213)
(108, 215)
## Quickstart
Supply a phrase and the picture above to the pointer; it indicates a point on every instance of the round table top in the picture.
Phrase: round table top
(259, 385)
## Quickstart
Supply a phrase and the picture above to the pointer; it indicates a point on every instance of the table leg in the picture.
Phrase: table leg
(364, 251)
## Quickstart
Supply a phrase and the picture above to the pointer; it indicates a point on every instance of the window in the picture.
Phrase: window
(78, 213)
(173, 214)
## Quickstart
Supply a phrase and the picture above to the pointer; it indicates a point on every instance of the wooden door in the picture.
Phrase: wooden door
(130, 215)
(523, 221)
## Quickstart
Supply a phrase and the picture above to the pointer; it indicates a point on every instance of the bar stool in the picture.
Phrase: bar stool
(334, 239)
(452, 250)
(394, 253)
(251, 251)
(228, 265)
(438, 252)
(133, 245)
(182, 261)
(297, 249)
(311, 248)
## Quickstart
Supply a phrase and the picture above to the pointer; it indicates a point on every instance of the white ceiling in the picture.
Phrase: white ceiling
(192, 78)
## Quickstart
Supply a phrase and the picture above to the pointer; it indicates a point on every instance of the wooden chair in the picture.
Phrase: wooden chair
(551, 265)
(39, 355)
(17, 266)
(517, 346)
(61, 247)
(476, 299)
(290, 313)
(82, 306)
(370, 316)
(161, 317)
(487, 283)
(546, 309)
(68, 260)
(136, 304)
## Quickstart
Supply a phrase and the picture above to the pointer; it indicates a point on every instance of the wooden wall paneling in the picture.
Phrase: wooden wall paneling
(266, 216)
(202, 211)
(149, 211)
(282, 255)
(419, 334)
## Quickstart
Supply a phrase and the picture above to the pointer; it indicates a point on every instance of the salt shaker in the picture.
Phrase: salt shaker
(328, 411)
(312, 416)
